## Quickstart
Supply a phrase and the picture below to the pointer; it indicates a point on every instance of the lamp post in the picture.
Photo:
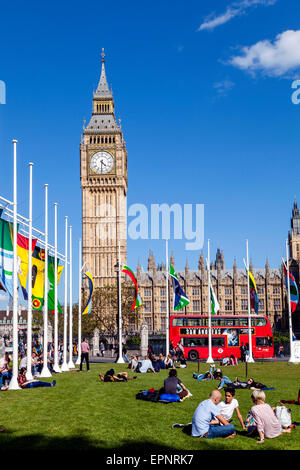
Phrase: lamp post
(118, 267)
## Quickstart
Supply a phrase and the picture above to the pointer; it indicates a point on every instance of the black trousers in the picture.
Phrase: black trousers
(85, 356)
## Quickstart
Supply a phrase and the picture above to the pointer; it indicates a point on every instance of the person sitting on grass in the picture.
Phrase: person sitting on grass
(182, 362)
(266, 423)
(24, 383)
(228, 406)
(205, 412)
(233, 360)
(161, 361)
(111, 377)
(174, 386)
(155, 363)
(146, 365)
(169, 363)
(133, 363)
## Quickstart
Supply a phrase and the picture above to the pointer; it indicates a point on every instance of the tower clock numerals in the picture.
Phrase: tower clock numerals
(102, 162)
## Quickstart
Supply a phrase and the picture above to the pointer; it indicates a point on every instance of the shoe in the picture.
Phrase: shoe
(135, 377)
(177, 425)
(53, 383)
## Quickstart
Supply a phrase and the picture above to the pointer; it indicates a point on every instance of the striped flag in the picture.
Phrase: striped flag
(88, 306)
(22, 259)
(6, 256)
(254, 300)
(137, 301)
(180, 298)
(294, 295)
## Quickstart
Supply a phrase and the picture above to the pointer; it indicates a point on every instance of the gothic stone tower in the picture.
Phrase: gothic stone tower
(103, 175)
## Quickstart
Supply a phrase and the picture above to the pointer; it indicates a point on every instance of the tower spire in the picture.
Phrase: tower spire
(103, 90)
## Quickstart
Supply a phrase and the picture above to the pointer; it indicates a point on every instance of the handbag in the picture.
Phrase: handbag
(284, 416)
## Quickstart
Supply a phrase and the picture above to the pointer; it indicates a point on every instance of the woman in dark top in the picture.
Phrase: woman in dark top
(174, 386)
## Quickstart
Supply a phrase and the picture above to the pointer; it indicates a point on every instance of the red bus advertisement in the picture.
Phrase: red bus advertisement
(228, 334)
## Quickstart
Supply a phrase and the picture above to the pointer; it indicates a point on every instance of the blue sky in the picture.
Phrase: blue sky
(204, 93)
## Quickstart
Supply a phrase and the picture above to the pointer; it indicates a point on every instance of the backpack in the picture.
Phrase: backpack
(284, 416)
(148, 395)
(168, 397)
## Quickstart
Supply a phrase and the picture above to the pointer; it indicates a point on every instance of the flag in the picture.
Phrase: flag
(51, 279)
(254, 300)
(87, 308)
(38, 278)
(22, 260)
(293, 336)
(215, 306)
(137, 301)
(180, 299)
(6, 256)
(294, 295)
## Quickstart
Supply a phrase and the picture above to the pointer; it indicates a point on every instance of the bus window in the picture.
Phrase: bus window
(218, 342)
(194, 322)
(195, 342)
(263, 341)
(243, 321)
(258, 321)
(178, 321)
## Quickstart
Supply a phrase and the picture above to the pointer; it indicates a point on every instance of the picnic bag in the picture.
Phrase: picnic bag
(148, 395)
(284, 416)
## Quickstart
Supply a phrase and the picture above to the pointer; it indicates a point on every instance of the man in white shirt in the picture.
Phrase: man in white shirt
(228, 406)
(146, 365)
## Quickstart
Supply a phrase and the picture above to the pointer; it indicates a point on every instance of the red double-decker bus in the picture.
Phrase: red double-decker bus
(228, 333)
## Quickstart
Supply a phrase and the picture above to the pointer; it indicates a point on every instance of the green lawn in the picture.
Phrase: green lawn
(83, 413)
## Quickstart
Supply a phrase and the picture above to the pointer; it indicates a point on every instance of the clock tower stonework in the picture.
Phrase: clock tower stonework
(103, 176)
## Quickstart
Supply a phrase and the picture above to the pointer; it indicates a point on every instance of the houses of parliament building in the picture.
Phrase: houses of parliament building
(103, 174)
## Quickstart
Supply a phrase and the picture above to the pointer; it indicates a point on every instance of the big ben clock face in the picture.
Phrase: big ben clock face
(102, 162)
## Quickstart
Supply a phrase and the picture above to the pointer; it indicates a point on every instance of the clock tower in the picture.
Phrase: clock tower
(103, 176)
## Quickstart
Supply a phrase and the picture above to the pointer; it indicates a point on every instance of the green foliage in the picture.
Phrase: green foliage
(280, 337)
(134, 340)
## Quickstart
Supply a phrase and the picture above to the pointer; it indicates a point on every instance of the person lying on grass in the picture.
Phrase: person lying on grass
(250, 384)
(111, 377)
(205, 412)
(228, 406)
(24, 383)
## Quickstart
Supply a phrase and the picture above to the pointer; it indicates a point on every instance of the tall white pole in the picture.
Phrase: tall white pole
(120, 359)
(292, 356)
(210, 358)
(13, 385)
(167, 301)
(250, 359)
(71, 364)
(45, 371)
(56, 367)
(29, 305)
(64, 366)
(79, 306)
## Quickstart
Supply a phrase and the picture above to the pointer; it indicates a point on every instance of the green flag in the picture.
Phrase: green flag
(215, 306)
(51, 280)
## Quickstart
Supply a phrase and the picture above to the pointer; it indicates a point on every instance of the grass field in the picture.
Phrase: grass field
(83, 413)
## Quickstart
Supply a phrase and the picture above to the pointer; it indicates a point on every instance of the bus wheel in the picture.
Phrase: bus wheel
(193, 356)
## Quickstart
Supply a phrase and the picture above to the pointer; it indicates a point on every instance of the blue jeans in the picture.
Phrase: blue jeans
(215, 430)
(200, 377)
(38, 384)
(225, 381)
(5, 375)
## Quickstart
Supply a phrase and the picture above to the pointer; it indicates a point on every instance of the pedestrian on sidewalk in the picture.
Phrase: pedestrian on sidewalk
(85, 354)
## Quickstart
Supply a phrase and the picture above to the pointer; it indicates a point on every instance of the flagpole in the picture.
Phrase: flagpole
(209, 359)
(249, 309)
(64, 366)
(13, 385)
(56, 367)
(71, 364)
(120, 359)
(45, 371)
(167, 301)
(79, 306)
(292, 356)
(29, 304)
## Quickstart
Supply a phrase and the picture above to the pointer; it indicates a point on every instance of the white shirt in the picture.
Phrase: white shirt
(227, 409)
(146, 364)
(23, 362)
